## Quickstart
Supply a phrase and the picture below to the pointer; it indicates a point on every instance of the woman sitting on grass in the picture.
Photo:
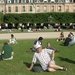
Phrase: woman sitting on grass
(12, 40)
(61, 38)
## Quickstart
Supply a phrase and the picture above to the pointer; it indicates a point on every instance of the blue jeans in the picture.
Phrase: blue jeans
(71, 43)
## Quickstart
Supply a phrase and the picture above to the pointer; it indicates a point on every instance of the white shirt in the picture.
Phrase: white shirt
(13, 40)
(37, 43)
(43, 58)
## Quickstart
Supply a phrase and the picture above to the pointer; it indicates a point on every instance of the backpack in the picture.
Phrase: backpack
(1, 57)
(37, 69)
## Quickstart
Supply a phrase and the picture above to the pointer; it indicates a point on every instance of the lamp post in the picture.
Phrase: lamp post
(50, 19)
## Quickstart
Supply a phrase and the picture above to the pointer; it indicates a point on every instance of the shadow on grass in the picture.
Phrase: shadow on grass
(28, 64)
(62, 44)
(67, 60)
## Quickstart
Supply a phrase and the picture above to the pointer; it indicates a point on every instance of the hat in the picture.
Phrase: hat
(38, 46)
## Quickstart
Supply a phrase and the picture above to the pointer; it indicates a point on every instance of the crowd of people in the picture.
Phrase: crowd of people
(45, 56)
(42, 55)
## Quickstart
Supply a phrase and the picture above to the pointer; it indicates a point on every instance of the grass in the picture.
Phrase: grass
(26, 31)
(22, 59)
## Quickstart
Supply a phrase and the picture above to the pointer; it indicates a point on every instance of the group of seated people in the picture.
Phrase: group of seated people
(39, 41)
(43, 56)
(70, 40)
(7, 51)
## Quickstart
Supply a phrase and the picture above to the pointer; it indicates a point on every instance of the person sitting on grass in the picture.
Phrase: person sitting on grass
(7, 52)
(51, 48)
(47, 63)
(12, 40)
(67, 40)
(61, 38)
(36, 43)
(72, 42)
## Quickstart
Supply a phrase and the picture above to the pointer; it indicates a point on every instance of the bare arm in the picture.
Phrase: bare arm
(12, 53)
(2, 52)
(34, 46)
(53, 54)
(31, 66)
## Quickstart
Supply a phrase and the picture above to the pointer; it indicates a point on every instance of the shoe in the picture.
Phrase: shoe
(57, 51)
(64, 69)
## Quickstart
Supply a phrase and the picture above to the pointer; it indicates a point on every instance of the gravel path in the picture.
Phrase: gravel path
(33, 35)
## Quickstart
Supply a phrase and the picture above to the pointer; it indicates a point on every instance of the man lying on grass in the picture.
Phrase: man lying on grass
(47, 63)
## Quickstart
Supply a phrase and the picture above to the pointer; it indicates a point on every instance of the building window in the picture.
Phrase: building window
(45, 1)
(9, 1)
(16, 9)
(52, 8)
(59, 8)
(16, 1)
(30, 8)
(38, 1)
(38, 8)
(56, 1)
(1, 1)
(74, 9)
(60, 1)
(9, 9)
(23, 8)
(67, 8)
(31, 1)
(45, 8)
(27, 1)
(67, 1)
(52, 1)
(23, 1)
(71, 1)
(41, 0)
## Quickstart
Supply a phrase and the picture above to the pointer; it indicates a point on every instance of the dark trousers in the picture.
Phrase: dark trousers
(1, 57)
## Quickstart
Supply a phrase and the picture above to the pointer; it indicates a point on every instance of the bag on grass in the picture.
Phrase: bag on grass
(1, 57)
(37, 69)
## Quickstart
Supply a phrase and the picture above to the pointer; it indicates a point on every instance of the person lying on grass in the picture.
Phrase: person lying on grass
(46, 61)
(51, 48)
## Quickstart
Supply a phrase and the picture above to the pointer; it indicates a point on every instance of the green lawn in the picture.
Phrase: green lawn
(22, 58)
(26, 30)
